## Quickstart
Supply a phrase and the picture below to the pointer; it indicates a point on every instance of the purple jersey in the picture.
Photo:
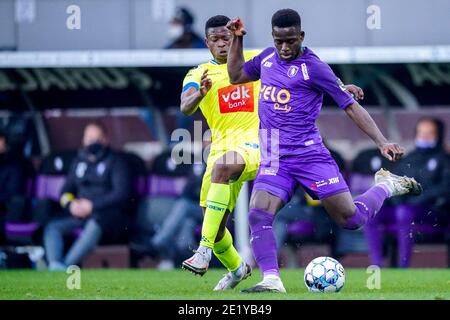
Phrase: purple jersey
(290, 100)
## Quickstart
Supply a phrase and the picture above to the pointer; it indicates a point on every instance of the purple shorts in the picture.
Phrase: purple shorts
(317, 173)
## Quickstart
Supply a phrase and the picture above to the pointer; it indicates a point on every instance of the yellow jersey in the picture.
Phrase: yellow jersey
(231, 111)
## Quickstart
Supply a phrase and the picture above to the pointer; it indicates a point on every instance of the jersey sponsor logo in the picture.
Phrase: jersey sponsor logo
(280, 97)
(252, 145)
(333, 180)
(274, 94)
(267, 64)
(324, 182)
(292, 71)
(305, 71)
(216, 208)
(320, 183)
(236, 98)
(340, 84)
(269, 172)
(268, 57)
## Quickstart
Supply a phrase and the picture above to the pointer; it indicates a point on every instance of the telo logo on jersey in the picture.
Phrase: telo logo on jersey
(236, 98)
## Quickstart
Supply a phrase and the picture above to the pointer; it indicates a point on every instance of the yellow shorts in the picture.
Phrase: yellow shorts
(250, 153)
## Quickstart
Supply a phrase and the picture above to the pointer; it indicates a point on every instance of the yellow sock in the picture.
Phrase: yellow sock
(227, 253)
(216, 205)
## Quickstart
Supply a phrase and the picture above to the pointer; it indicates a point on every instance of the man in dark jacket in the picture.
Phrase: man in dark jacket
(429, 164)
(95, 197)
(12, 182)
(182, 33)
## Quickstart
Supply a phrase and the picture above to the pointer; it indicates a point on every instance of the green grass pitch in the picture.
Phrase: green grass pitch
(179, 285)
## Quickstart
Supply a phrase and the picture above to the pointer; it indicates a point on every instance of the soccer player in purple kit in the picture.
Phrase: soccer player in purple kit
(293, 81)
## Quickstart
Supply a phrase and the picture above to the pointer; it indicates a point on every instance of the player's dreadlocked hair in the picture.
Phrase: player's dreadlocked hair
(285, 18)
(216, 21)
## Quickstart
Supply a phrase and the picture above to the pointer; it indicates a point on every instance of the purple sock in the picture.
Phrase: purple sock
(404, 216)
(263, 241)
(374, 237)
(367, 206)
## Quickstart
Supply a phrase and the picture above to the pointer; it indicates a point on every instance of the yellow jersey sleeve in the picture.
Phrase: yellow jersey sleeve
(193, 77)
(250, 54)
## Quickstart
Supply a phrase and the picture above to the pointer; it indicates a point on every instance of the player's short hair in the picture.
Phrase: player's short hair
(286, 18)
(216, 21)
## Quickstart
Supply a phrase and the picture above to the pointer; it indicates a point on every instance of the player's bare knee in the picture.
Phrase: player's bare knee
(341, 216)
(221, 173)
(224, 173)
(344, 217)
(258, 201)
(264, 202)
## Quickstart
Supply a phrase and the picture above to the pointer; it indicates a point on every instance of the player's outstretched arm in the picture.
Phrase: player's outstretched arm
(191, 97)
(235, 61)
(365, 122)
(357, 92)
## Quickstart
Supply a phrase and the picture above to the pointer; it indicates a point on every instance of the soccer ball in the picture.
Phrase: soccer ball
(324, 274)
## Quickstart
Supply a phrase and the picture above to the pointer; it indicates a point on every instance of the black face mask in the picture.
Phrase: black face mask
(95, 149)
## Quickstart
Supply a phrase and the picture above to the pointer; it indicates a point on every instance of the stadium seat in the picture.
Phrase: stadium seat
(364, 166)
(18, 227)
(49, 186)
(45, 186)
(164, 185)
(304, 228)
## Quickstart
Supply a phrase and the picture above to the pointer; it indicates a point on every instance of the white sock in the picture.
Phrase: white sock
(386, 188)
(271, 276)
(205, 250)
(239, 271)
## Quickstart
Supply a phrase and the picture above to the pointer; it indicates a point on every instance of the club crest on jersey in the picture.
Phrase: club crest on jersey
(292, 72)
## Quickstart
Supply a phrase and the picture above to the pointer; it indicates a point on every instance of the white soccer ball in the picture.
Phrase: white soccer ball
(324, 274)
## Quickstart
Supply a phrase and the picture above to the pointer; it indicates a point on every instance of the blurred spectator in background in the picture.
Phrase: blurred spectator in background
(176, 236)
(181, 31)
(429, 164)
(95, 197)
(12, 183)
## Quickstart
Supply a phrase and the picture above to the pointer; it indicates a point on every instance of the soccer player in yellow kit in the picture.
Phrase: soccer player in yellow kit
(232, 116)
